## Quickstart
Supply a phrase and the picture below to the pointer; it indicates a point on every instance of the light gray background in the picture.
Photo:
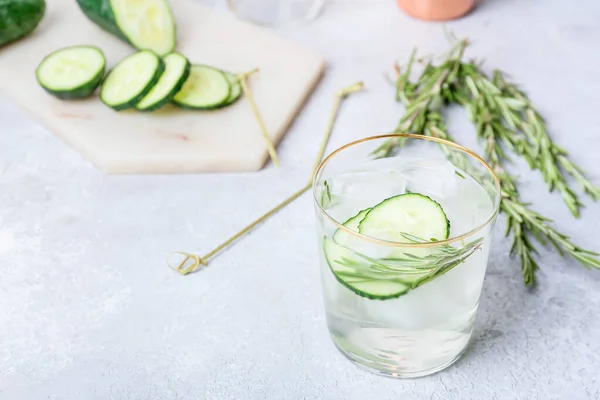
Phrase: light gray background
(89, 310)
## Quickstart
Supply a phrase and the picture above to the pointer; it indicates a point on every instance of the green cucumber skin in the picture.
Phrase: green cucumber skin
(18, 18)
(100, 12)
(235, 94)
(234, 98)
(132, 102)
(373, 297)
(209, 108)
(355, 290)
(352, 223)
(368, 295)
(176, 89)
(81, 92)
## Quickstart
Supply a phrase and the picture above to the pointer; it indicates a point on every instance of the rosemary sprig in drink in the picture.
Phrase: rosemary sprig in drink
(410, 269)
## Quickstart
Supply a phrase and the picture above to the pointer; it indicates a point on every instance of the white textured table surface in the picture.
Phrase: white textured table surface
(89, 310)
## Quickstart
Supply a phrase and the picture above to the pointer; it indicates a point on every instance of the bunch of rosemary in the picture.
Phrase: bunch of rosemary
(505, 121)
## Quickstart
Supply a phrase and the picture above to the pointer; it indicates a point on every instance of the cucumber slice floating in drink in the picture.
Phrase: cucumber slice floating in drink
(395, 219)
(407, 214)
(341, 260)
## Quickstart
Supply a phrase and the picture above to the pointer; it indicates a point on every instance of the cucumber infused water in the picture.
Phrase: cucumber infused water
(404, 243)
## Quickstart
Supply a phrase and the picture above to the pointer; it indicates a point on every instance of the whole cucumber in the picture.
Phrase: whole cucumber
(100, 12)
(18, 18)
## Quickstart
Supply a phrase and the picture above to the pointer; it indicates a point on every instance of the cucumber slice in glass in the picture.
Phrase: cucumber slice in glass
(341, 237)
(177, 70)
(340, 259)
(411, 213)
(393, 219)
(206, 88)
(72, 72)
(131, 80)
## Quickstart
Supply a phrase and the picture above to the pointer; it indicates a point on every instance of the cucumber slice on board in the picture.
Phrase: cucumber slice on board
(177, 70)
(131, 80)
(72, 72)
(340, 258)
(236, 88)
(206, 88)
(410, 213)
(147, 25)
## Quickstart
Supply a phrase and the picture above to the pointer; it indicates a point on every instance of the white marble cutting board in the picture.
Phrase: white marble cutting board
(172, 140)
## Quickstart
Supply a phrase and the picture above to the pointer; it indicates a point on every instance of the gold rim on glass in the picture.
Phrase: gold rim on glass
(399, 244)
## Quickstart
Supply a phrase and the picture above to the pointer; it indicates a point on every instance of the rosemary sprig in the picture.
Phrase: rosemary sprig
(554, 156)
(504, 118)
(408, 268)
(500, 107)
(422, 99)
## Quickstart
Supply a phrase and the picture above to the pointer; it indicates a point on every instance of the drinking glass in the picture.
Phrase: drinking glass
(276, 12)
(396, 303)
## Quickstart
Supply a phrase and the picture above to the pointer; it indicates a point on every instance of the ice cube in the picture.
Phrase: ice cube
(432, 177)
(469, 210)
(361, 189)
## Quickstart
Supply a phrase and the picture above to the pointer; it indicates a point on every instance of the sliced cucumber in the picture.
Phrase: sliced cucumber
(177, 70)
(394, 219)
(407, 214)
(131, 80)
(340, 259)
(206, 88)
(72, 72)
(147, 25)
(341, 237)
(236, 88)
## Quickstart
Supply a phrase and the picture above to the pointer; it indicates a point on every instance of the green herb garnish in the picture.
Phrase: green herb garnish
(399, 268)
(504, 119)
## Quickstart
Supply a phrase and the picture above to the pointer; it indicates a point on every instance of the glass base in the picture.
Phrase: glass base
(390, 369)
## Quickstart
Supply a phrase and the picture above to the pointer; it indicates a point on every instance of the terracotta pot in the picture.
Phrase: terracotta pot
(436, 10)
